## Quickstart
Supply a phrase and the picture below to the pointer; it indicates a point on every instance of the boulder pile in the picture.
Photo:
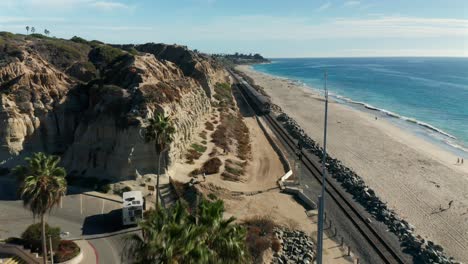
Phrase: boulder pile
(297, 247)
(422, 251)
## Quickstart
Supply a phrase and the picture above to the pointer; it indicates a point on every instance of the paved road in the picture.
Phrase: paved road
(81, 215)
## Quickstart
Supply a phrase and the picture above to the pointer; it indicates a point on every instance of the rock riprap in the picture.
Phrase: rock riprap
(296, 247)
(423, 251)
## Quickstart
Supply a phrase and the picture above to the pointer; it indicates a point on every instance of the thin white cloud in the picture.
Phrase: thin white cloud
(121, 28)
(324, 6)
(420, 52)
(297, 28)
(352, 3)
(65, 4)
(104, 5)
(19, 19)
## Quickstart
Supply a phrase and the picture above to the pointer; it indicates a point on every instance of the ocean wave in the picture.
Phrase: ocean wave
(395, 115)
(373, 108)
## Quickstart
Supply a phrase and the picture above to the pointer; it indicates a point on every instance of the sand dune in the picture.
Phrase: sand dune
(415, 177)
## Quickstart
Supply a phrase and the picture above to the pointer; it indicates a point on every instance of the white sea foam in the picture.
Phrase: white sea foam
(394, 115)
(449, 139)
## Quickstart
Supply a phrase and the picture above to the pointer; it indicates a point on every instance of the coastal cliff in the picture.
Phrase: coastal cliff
(89, 102)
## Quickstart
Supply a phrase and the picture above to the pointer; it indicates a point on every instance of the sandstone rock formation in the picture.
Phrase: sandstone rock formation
(89, 102)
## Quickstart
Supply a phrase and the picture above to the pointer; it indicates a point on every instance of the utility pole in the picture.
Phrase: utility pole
(324, 176)
(51, 250)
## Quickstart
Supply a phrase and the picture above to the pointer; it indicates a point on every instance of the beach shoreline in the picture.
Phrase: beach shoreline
(414, 176)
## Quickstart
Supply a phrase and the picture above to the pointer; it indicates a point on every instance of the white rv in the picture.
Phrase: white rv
(132, 209)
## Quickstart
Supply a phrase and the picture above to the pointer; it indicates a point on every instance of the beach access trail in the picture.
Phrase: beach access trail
(417, 179)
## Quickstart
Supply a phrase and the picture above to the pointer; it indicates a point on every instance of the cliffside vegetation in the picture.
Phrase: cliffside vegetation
(239, 58)
(86, 100)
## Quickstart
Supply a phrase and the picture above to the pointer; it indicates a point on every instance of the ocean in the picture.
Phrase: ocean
(427, 96)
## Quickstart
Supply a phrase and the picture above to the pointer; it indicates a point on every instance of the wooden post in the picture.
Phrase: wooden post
(349, 251)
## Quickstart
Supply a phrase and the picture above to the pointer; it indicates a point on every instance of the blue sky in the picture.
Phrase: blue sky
(321, 28)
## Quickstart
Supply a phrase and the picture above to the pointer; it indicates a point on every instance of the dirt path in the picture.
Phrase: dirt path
(417, 179)
(262, 172)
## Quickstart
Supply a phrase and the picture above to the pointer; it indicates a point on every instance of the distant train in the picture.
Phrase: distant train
(260, 101)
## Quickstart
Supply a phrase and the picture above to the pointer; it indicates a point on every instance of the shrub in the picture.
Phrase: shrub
(198, 148)
(192, 155)
(203, 135)
(37, 35)
(105, 54)
(6, 34)
(276, 245)
(66, 250)
(209, 126)
(212, 196)
(195, 172)
(32, 237)
(211, 166)
(104, 188)
(14, 240)
(234, 171)
(122, 190)
(260, 235)
(79, 40)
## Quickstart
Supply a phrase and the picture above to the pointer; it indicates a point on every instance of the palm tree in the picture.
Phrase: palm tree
(33, 30)
(27, 30)
(42, 184)
(160, 131)
(46, 32)
(173, 236)
(224, 238)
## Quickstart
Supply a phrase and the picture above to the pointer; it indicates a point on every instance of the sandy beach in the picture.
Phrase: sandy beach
(415, 177)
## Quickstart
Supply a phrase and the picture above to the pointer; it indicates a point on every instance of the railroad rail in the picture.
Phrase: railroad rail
(370, 234)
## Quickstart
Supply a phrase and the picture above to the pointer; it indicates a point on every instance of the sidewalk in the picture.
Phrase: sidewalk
(90, 255)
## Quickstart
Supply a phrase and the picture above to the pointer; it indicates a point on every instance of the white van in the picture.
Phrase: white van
(132, 209)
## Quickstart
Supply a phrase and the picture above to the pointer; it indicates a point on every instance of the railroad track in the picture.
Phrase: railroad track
(369, 233)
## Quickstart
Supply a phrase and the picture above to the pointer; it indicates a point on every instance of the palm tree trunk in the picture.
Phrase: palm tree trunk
(44, 245)
(157, 181)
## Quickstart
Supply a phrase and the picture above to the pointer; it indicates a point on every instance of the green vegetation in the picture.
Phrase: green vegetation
(79, 40)
(223, 94)
(198, 148)
(63, 49)
(160, 131)
(66, 250)
(160, 93)
(239, 58)
(194, 152)
(42, 184)
(37, 35)
(121, 191)
(176, 236)
(105, 54)
(32, 237)
(233, 170)
(6, 35)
